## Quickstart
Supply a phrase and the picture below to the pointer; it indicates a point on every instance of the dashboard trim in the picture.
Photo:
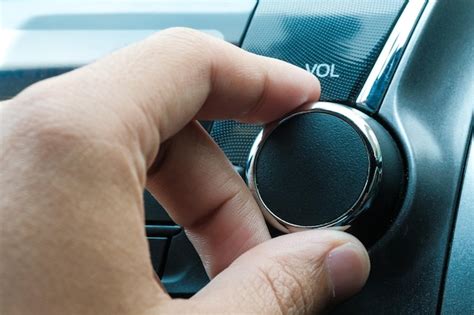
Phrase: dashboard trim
(373, 90)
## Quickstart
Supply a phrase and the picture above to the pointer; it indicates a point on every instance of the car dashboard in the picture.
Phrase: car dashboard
(403, 67)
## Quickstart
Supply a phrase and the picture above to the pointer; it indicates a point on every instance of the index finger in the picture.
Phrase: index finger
(199, 76)
(158, 86)
(180, 74)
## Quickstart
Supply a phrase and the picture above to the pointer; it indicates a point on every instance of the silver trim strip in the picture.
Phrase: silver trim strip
(359, 122)
(384, 68)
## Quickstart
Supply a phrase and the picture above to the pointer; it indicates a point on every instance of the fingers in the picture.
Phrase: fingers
(198, 186)
(94, 132)
(151, 90)
(300, 273)
(157, 86)
(206, 78)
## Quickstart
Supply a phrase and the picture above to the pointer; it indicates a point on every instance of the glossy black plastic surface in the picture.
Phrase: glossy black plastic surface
(184, 273)
(429, 106)
(154, 212)
(175, 260)
(458, 295)
(158, 247)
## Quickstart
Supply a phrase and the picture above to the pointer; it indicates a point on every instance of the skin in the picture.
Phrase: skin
(77, 151)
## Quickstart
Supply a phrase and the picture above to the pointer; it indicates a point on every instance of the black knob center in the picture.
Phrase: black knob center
(327, 165)
(312, 169)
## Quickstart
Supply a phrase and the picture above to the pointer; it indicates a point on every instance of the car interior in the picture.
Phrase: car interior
(387, 154)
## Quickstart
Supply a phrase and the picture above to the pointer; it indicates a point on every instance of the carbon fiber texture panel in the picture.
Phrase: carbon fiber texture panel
(337, 40)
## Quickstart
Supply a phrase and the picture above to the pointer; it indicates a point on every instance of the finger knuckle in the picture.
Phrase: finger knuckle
(40, 117)
(182, 32)
(184, 40)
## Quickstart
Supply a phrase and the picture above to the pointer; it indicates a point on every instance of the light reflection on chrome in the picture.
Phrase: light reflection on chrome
(384, 68)
(359, 121)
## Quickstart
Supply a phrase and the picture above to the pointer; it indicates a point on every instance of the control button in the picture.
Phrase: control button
(154, 212)
(157, 252)
(324, 166)
(184, 273)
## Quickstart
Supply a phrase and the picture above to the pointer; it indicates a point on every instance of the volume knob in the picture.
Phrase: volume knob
(325, 165)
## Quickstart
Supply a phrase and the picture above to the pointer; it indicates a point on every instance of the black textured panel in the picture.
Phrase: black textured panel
(235, 139)
(312, 169)
(338, 40)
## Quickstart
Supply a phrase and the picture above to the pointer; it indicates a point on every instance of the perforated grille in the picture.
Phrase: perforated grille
(341, 37)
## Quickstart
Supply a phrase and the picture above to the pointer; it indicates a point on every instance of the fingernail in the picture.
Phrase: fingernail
(348, 267)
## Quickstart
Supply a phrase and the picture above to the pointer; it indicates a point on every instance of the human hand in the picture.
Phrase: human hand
(78, 150)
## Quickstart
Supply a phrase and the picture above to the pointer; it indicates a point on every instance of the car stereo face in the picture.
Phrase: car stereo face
(353, 47)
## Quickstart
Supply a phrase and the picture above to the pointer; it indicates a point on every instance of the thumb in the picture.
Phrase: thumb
(300, 273)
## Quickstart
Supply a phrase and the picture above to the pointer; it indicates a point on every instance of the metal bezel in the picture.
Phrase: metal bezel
(358, 121)
(374, 88)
